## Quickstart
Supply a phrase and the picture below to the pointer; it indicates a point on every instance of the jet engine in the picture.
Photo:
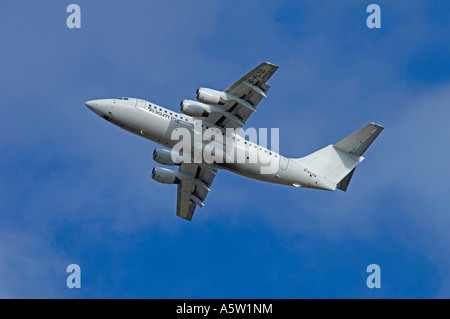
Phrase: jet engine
(195, 109)
(165, 176)
(210, 96)
(166, 157)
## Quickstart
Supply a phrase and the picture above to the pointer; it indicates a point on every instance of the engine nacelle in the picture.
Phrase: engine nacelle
(195, 109)
(210, 96)
(165, 176)
(166, 157)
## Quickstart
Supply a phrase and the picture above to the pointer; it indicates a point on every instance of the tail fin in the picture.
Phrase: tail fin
(338, 162)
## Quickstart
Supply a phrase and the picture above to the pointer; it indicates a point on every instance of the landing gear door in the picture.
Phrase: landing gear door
(140, 104)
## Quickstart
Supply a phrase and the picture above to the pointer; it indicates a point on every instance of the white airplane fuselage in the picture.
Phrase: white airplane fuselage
(157, 124)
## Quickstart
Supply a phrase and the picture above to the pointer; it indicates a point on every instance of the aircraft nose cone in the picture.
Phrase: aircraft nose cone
(91, 104)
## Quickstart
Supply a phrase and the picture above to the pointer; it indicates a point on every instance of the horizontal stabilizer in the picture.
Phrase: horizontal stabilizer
(345, 181)
(359, 142)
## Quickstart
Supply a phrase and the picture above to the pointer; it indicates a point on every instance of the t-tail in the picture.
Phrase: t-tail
(337, 163)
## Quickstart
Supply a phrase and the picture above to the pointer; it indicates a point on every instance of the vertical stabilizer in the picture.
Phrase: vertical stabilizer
(338, 162)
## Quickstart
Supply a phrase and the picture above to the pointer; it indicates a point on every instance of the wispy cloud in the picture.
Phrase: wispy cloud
(75, 189)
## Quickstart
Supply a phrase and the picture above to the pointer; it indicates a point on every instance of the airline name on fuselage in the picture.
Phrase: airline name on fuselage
(153, 109)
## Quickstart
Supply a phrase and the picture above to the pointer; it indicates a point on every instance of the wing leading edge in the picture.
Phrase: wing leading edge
(193, 191)
(245, 95)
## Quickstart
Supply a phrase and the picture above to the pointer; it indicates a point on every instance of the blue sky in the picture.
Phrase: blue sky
(75, 189)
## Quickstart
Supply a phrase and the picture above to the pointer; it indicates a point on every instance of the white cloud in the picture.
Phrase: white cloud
(29, 266)
(404, 180)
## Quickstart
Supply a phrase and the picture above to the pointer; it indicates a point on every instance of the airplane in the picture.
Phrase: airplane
(225, 113)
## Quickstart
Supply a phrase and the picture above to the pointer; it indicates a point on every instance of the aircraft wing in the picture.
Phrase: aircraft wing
(193, 192)
(249, 90)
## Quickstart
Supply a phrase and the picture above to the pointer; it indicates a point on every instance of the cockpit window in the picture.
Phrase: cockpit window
(125, 98)
(122, 98)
